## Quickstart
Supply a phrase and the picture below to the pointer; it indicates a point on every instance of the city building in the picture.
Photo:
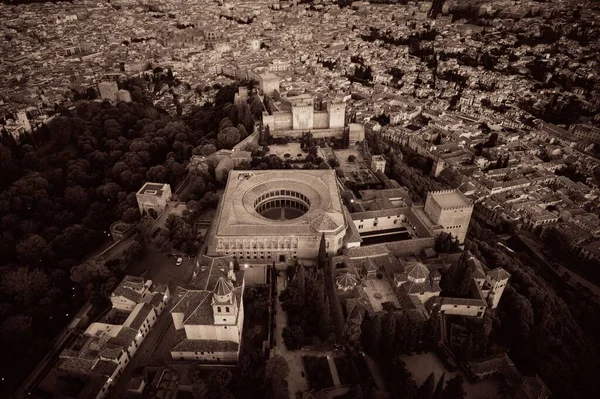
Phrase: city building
(278, 216)
(109, 91)
(209, 314)
(450, 209)
(152, 198)
(378, 163)
(98, 357)
(586, 132)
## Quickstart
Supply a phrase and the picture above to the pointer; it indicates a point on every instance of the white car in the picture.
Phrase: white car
(179, 261)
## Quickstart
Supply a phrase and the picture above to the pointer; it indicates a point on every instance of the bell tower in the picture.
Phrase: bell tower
(224, 303)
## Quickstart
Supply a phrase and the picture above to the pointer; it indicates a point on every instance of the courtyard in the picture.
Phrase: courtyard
(347, 166)
(378, 292)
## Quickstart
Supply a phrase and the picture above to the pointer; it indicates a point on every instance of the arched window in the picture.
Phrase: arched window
(219, 309)
(227, 309)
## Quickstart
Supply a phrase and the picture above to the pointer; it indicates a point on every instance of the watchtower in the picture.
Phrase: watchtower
(302, 112)
(337, 114)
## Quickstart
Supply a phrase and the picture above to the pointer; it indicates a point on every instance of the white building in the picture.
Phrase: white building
(152, 198)
(278, 215)
(101, 354)
(210, 313)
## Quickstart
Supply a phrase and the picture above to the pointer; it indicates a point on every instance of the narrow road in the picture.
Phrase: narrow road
(334, 373)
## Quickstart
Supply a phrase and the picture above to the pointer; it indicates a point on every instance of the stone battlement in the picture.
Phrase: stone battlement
(468, 204)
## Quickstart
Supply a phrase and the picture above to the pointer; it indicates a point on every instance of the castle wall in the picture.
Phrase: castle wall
(250, 140)
(381, 223)
(282, 121)
(317, 134)
(207, 357)
(410, 247)
(320, 120)
(303, 117)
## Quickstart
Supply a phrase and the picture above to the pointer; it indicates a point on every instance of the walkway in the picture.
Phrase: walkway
(296, 381)
(334, 373)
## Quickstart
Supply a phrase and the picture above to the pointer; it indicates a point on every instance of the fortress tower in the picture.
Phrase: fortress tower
(337, 114)
(496, 281)
(378, 163)
(450, 209)
(302, 112)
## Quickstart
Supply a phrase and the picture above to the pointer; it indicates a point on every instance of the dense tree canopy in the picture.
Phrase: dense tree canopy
(61, 189)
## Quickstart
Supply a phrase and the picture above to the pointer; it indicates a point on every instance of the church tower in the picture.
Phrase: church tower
(224, 303)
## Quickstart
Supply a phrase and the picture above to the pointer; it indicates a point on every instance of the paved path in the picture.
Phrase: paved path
(296, 382)
(334, 373)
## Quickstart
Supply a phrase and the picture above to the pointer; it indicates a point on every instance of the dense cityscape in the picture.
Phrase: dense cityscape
(300, 199)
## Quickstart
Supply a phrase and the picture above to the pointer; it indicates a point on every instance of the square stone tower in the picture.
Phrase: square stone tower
(450, 209)
(269, 83)
(378, 163)
(337, 114)
(109, 91)
(303, 110)
(496, 281)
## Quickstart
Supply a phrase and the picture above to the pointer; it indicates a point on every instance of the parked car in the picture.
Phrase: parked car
(179, 261)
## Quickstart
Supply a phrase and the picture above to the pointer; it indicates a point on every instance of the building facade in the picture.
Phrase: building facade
(152, 198)
(210, 313)
(278, 216)
(450, 209)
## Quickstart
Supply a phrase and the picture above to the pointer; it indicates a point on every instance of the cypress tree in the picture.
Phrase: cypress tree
(439, 388)
(454, 389)
(322, 259)
(426, 390)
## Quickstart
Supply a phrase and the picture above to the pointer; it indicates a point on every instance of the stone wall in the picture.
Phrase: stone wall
(410, 247)
(282, 121)
(317, 134)
(250, 140)
(320, 120)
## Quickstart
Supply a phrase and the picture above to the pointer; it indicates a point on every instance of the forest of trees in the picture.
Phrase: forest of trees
(253, 378)
(544, 328)
(61, 190)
